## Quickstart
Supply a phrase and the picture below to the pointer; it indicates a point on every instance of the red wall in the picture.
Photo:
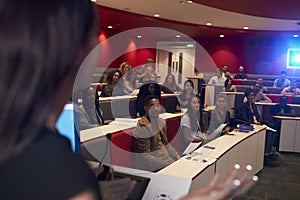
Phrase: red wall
(257, 55)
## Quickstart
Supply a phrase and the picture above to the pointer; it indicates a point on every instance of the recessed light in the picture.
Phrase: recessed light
(208, 24)
(189, 45)
(245, 27)
(295, 35)
(156, 15)
(109, 26)
(178, 36)
(93, 0)
(189, 1)
(139, 36)
(221, 36)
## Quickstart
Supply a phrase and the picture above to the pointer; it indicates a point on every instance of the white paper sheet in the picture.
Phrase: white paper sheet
(191, 147)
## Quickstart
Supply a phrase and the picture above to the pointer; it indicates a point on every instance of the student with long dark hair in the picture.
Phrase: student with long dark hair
(187, 93)
(192, 122)
(114, 85)
(170, 83)
(228, 85)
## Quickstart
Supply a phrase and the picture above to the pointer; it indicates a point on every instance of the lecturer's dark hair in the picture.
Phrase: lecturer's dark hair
(39, 46)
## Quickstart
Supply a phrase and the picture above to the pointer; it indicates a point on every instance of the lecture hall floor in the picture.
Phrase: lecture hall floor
(282, 182)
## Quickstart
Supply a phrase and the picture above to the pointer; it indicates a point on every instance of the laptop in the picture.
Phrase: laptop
(171, 103)
(139, 188)
(67, 127)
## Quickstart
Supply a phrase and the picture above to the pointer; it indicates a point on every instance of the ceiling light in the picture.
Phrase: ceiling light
(189, 45)
(208, 24)
(156, 15)
(189, 1)
(295, 35)
(178, 36)
(109, 26)
(221, 36)
(246, 27)
(139, 36)
(93, 0)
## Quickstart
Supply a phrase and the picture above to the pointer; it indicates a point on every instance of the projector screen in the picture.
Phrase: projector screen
(293, 58)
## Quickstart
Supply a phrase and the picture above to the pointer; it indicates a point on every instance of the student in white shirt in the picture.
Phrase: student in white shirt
(192, 122)
(218, 79)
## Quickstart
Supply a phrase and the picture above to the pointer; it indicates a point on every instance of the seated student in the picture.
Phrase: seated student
(292, 89)
(263, 88)
(186, 94)
(163, 88)
(114, 85)
(218, 79)
(150, 143)
(130, 82)
(282, 82)
(241, 74)
(225, 74)
(219, 115)
(125, 67)
(170, 83)
(141, 69)
(146, 76)
(258, 95)
(145, 90)
(90, 115)
(192, 122)
(248, 111)
(249, 114)
(279, 109)
(228, 85)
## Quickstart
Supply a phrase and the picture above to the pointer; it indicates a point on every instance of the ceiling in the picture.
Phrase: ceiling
(266, 18)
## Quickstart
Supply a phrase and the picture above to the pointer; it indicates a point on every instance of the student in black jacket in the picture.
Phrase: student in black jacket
(249, 114)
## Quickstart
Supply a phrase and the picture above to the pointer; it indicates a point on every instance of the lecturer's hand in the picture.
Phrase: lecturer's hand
(233, 185)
